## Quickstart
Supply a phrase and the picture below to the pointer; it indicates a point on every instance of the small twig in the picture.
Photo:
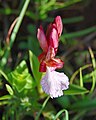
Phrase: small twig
(10, 31)
(14, 34)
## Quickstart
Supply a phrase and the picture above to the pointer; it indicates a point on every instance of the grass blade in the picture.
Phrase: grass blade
(60, 112)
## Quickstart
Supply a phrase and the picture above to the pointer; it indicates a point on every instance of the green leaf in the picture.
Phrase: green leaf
(5, 97)
(4, 102)
(3, 74)
(9, 89)
(75, 90)
(34, 63)
(20, 78)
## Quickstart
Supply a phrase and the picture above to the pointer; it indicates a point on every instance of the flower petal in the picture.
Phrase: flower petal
(50, 53)
(55, 62)
(42, 67)
(41, 56)
(54, 82)
(52, 36)
(64, 80)
(42, 39)
(59, 25)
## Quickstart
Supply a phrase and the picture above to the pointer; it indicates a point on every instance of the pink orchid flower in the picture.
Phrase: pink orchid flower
(53, 82)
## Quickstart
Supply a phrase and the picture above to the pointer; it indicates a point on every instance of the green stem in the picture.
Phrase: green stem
(43, 106)
(93, 83)
(60, 112)
(93, 58)
(94, 66)
(77, 71)
(14, 33)
(81, 78)
(30, 14)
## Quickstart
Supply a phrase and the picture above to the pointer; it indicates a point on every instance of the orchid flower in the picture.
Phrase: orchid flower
(53, 82)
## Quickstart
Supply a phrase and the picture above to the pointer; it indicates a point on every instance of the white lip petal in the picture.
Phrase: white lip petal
(53, 83)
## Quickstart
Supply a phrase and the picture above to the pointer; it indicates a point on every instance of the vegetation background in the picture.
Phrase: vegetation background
(21, 96)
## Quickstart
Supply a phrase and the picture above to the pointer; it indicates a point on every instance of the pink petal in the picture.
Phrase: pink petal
(42, 39)
(53, 41)
(52, 36)
(53, 83)
(50, 53)
(59, 25)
